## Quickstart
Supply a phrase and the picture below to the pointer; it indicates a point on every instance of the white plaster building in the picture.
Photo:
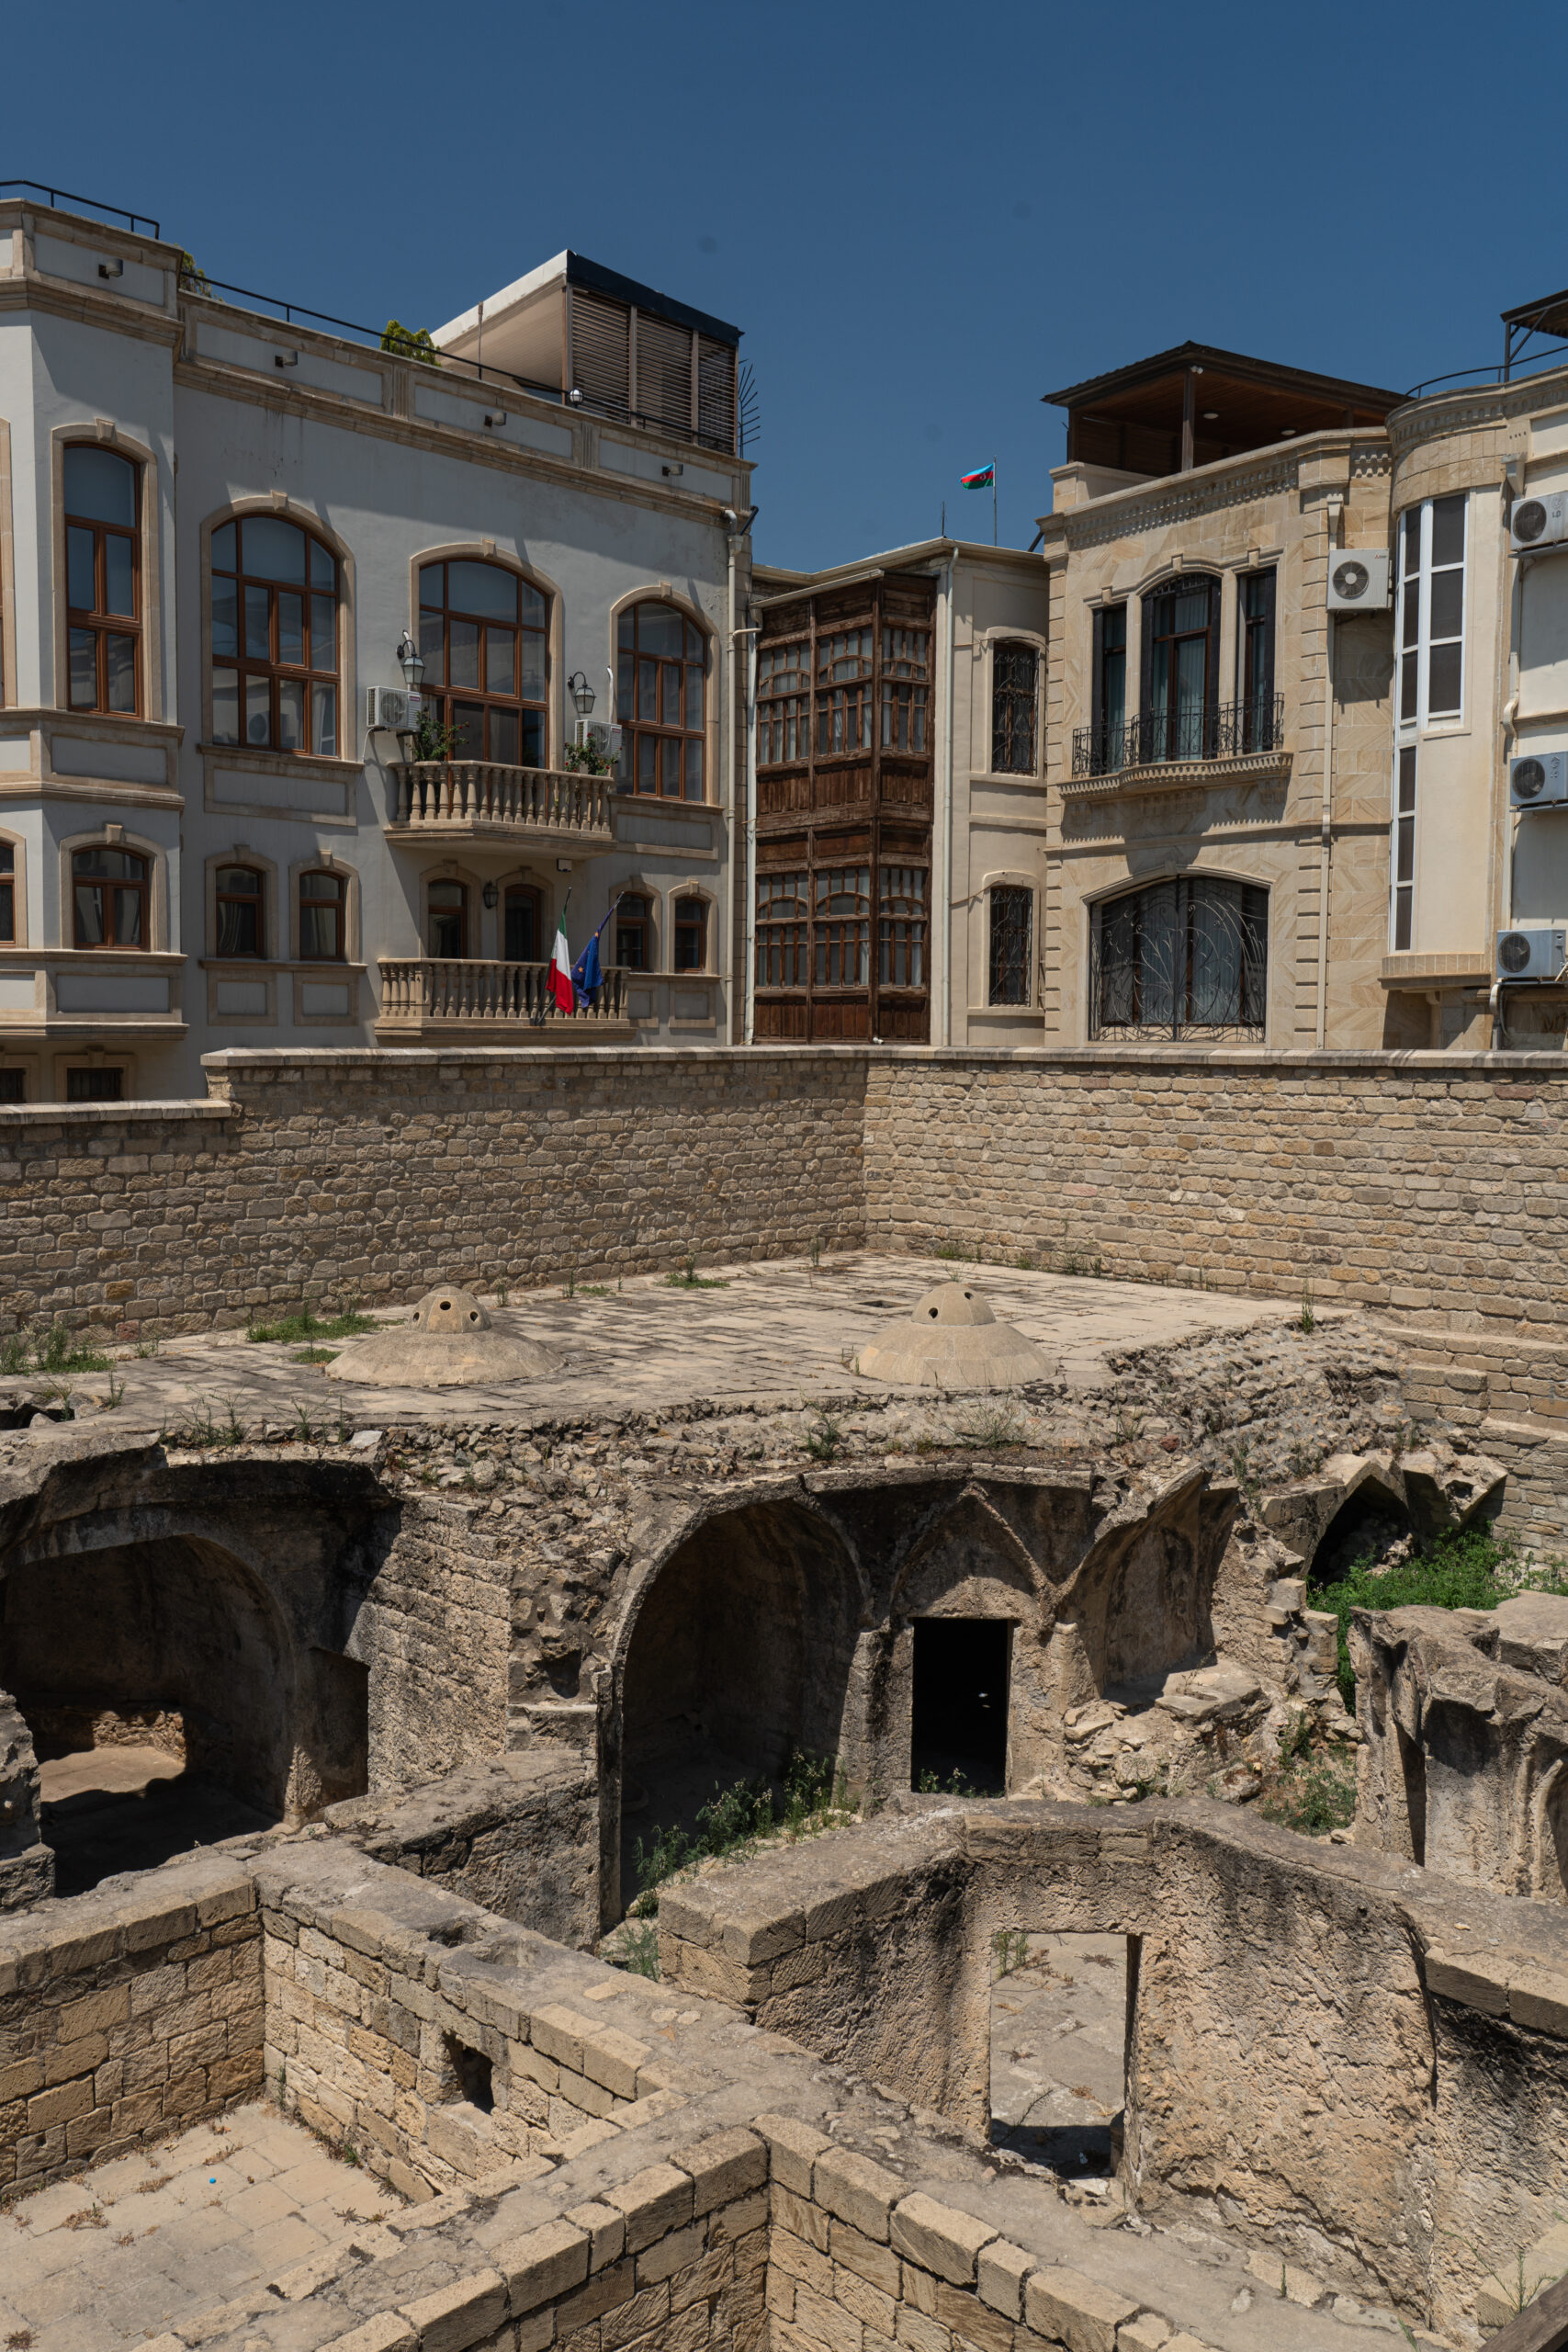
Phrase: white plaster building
(216, 528)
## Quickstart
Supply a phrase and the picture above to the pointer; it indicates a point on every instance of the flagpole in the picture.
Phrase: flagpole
(993, 501)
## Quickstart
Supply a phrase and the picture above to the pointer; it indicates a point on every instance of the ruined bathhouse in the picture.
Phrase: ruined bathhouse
(433, 1677)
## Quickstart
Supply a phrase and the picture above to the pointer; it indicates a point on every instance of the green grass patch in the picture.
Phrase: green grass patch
(316, 1355)
(52, 1351)
(306, 1327)
(1468, 1569)
(1313, 1793)
(814, 1795)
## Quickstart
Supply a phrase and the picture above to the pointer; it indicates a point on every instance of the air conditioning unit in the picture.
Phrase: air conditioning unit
(1538, 522)
(1358, 580)
(1538, 780)
(393, 709)
(598, 735)
(1535, 952)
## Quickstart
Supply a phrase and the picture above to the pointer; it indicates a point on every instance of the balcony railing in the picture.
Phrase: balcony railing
(479, 795)
(1230, 731)
(418, 992)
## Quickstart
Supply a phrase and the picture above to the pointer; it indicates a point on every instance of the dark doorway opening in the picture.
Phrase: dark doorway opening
(474, 2073)
(959, 1739)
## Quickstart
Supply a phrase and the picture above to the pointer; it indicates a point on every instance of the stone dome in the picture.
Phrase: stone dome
(451, 1343)
(952, 1339)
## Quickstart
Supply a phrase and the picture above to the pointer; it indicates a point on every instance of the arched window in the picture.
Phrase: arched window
(448, 903)
(322, 900)
(1182, 958)
(103, 578)
(1012, 911)
(275, 659)
(524, 920)
(239, 911)
(633, 932)
(483, 634)
(1015, 671)
(661, 661)
(690, 935)
(108, 889)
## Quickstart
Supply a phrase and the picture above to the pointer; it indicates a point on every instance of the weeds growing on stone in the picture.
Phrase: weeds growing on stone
(1466, 1569)
(306, 1327)
(824, 1438)
(992, 1426)
(56, 1351)
(116, 1395)
(147, 1347)
(316, 1355)
(1011, 1946)
(812, 1795)
(689, 1279)
(1025, 1261)
(1308, 1319)
(636, 1950)
(931, 1784)
(1312, 1792)
(947, 1249)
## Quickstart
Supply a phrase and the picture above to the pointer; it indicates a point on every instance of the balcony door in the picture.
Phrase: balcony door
(523, 928)
(1180, 670)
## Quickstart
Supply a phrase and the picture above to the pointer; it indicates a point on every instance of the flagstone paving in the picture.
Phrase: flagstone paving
(783, 1329)
(127, 2250)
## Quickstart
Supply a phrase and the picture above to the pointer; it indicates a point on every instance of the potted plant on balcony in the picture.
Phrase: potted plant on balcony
(587, 761)
(431, 738)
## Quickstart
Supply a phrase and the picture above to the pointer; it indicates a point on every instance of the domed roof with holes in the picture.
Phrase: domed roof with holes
(451, 1343)
(952, 1339)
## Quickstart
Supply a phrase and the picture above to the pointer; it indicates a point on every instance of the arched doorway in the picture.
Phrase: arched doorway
(738, 1656)
(159, 1684)
(1371, 1526)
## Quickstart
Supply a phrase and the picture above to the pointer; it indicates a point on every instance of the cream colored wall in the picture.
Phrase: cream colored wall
(1293, 505)
(1001, 824)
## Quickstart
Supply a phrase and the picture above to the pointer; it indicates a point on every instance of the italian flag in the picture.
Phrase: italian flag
(562, 994)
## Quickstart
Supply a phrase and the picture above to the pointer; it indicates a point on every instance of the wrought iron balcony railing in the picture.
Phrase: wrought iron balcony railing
(482, 795)
(420, 991)
(1228, 731)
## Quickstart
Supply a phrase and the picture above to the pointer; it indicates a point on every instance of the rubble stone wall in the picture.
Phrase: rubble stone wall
(125, 2015)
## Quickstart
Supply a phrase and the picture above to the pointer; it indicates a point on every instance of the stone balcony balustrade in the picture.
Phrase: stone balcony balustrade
(445, 997)
(479, 800)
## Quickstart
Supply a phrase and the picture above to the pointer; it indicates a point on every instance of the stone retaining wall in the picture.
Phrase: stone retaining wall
(125, 2015)
(1430, 1184)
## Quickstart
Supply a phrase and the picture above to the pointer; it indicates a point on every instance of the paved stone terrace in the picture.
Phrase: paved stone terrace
(780, 1329)
(132, 2247)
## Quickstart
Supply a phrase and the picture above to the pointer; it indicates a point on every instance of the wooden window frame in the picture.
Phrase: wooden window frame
(783, 941)
(304, 898)
(522, 707)
(1005, 698)
(784, 715)
(1256, 652)
(636, 730)
(685, 923)
(639, 924)
(221, 899)
(849, 702)
(101, 624)
(110, 887)
(435, 913)
(1162, 724)
(274, 670)
(530, 893)
(9, 882)
(903, 926)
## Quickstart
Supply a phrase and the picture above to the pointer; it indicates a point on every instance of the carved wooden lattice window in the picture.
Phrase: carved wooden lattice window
(906, 659)
(901, 926)
(784, 703)
(1015, 671)
(841, 927)
(783, 929)
(844, 690)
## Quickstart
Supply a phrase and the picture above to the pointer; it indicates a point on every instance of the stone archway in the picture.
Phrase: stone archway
(159, 1679)
(737, 1652)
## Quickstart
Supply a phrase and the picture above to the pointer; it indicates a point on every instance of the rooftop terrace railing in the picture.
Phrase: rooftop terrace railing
(55, 197)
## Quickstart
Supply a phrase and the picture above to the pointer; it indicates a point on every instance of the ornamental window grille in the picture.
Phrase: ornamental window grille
(1183, 959)
(1012, 919)
(901, 926)
(1015, 671)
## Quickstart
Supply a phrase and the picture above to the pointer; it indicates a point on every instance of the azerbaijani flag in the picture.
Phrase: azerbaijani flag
(562, 994)
(981, 480)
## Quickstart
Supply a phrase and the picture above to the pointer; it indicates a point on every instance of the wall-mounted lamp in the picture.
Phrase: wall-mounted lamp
(496, 417)
(111, 269)
(581, 693)
(575, 396)
(490, 894)
(413, 662)
(286, 359)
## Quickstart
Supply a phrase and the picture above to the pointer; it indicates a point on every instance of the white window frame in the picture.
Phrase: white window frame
(1423, 721)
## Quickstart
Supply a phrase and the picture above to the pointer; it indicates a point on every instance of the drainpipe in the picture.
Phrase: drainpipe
(1336, 511)
(750, 836)
(946, 591)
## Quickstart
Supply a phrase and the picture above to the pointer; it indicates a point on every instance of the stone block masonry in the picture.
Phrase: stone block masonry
(1427, 1185)
(124, 2015)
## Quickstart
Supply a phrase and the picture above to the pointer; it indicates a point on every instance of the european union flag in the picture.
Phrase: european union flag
(587, 978)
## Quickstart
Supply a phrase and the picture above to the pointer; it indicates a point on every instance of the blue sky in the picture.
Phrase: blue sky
(922, 217)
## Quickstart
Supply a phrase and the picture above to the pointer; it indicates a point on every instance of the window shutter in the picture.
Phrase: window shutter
(1097, 673)
(1211, 657)
(715, 394)
(1269, 578)
(1147, 608)
(664, 372)
(601, 350)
